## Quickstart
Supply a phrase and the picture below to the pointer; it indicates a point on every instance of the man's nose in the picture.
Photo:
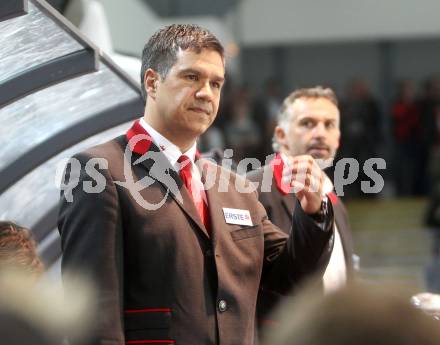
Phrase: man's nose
(205, 92)
(319, 130)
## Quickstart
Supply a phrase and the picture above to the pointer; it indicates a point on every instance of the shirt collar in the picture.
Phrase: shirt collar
(328, 185)
(170, 150)
(284, 158)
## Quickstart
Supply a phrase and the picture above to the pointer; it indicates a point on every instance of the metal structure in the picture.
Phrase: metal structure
(58, 95)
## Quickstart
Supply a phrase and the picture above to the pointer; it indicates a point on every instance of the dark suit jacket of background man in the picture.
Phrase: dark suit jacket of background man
(159, 275)
(279, 208)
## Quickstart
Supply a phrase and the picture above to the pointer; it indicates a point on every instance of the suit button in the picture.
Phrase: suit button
(222, 305)
(208, 253)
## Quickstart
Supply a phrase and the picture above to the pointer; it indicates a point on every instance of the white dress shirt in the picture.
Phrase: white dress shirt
(172, 153)
(335, 275)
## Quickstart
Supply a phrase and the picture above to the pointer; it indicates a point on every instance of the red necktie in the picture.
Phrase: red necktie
(185, 172)
(186, 176)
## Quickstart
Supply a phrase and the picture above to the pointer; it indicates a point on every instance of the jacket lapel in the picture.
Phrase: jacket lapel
(217, 198)
(287, 200)
(343, 228)
(179, 193)
(158, 167)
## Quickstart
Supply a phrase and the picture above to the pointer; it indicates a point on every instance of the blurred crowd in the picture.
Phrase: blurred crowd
(416, 137)
(32, 310)
(32, 306)
(406, 133)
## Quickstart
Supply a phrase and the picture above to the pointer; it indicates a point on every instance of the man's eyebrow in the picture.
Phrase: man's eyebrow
(305, 117)
(197, 72)
(189, 70)
(219, 79)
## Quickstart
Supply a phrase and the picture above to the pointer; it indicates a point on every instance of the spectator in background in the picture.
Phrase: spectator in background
(265, 112)
(38, 314)
(361, 127)
(307, 124)
(33, 313)
(428, 105)
(355, 315)
(242, 134)
(433, 216)
(407, 138)
(215, 137)
(212, 139)
(18, 250)
(432, 269)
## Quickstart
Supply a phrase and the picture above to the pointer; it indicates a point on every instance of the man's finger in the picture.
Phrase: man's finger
(298, 187)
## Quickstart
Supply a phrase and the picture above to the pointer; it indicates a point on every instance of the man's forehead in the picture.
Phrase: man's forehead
(309, 106)
(207, 58)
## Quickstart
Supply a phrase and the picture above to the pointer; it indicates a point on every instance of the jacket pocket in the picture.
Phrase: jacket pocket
(246, 232)
(148, 326)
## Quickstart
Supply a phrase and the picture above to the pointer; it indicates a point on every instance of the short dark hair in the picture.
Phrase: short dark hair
(18, 249)
(160, 52)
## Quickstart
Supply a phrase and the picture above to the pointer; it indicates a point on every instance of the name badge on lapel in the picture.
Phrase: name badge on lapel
(237, 216)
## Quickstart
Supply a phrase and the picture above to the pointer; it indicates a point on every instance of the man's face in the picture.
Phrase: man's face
(187, 99)
(313, 129)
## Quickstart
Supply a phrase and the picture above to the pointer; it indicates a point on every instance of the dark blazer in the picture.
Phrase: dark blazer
(159, 274)
(279, 208)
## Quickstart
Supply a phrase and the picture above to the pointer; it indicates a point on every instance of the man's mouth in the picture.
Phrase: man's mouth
(200, 110)
(318, 150)
(319, 147)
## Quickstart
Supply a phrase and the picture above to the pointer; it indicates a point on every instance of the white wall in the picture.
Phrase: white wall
(132, 22)
(293, 21)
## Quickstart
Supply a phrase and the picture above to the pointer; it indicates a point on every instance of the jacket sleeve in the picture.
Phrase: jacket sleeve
(91, 239)
(289, 259)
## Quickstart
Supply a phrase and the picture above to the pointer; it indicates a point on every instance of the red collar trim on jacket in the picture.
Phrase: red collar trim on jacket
(277, 165)
(143, 145)
(333, 198)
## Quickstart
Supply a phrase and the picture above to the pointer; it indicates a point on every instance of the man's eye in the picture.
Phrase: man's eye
(215, 85)
(192, 77)
(330, 125)
(308, 124)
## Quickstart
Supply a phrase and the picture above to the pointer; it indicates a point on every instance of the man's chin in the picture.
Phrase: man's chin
(319, 154)
(200, 128)
(324, 163)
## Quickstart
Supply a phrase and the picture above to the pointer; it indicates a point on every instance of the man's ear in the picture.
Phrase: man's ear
(151, 80)
(279, 134)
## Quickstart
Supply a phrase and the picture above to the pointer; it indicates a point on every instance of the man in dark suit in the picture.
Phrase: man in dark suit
(308, 124)
(177, 246)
